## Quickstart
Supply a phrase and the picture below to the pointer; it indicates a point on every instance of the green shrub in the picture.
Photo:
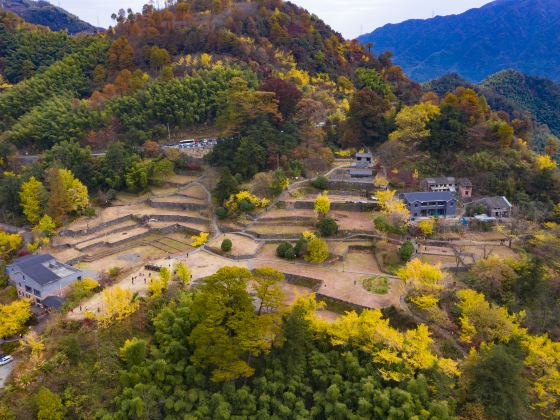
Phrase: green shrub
(382, 225)
(328, 227)
(89, 212)
(283, 249)
(227, 245)
(114, 272)
(290, 253)
(406, 251)
(246, 206)
(301, 247)
(9, 347)
(321, 183)
(221, 213)
(377, 285)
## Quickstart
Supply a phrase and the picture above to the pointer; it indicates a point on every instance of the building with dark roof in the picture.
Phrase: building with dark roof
(53, 303)
(40, 276)
(430, 204)
(498, 206)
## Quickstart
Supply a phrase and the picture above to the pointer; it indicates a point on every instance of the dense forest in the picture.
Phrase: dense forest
(286, 94)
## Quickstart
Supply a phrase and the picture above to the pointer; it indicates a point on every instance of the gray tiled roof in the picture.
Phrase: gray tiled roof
(54, 302)
(427, 196)
(495, 202)
(33, 266)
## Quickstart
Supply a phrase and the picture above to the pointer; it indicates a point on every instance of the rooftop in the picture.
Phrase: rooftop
(43, 268)
(364, 155)
(441, 180)
(498, 202)
(53, 302)
(411, 197)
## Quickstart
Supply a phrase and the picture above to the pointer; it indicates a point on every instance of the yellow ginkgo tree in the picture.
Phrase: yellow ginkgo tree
(200, 239)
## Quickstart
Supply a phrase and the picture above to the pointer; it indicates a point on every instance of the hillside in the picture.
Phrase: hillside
(519, 34)
(536, 99)
(46, 14)
(182, 153)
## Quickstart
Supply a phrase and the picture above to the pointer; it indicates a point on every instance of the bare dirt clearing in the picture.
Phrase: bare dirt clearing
(242, 245)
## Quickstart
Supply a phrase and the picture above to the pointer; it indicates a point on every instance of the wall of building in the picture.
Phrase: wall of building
(57, 288)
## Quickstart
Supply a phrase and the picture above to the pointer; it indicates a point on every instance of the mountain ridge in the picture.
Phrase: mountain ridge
(478, 42)
(46, 14)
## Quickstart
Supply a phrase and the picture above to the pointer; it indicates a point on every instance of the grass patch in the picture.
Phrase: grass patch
(377, 284)
(306, 282)
(8, 294)
(338, 306)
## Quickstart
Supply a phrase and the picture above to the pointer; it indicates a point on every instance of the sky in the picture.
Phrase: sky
(349, 17)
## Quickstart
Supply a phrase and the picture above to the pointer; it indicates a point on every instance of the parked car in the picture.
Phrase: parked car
(5, 359)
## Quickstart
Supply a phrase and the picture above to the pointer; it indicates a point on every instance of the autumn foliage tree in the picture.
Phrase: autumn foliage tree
(228, 328)
(33, 196)
(14, 316)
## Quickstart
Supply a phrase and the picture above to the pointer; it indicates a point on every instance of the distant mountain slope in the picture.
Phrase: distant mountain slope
(520, 34)
(534, 98)
(46, 14)
(537, 95)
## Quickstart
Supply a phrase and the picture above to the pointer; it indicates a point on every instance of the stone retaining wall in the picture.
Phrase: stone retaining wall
(349, 206)
(96, 228)
(351, 306)
(309, 282)
(174, 218)
(182, 206)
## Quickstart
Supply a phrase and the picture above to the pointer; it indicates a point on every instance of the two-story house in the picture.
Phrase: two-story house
(448, 183)
(362, 167)
(428, 204)
(40, 276)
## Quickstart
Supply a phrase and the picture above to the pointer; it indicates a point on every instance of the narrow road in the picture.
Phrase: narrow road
(215, 227)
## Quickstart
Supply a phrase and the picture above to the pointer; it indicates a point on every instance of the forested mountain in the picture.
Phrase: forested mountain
(519, 34)
(535, 99)
(283, 93)
(46, 14)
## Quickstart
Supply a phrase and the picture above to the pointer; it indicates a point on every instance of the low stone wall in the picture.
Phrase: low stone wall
(288, 219)
(348, 306)
(174, 218)
(339, 206)
(279, 236)
(96, 228)
(360, 247)
(309, 282)
(178, 228)
(356, 207)
(304, 205)
(182, 206)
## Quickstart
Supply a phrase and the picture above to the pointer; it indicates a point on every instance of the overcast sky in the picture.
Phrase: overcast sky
(350, 17)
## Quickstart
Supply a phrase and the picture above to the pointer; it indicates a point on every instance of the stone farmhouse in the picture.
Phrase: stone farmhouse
(498, 207)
